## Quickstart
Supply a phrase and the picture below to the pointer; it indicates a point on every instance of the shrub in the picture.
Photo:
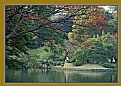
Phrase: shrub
(40, 65)
(109, 65)
(78, 63)
(54, 63)
(50, 61)
(62, 62)
(113, 65)
(72, 60)
(106, 65)
(48, 64)
(58, 59)
(58, 63)
(53, 57)
(62, 65)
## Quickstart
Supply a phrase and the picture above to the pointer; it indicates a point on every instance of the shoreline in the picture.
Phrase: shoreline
(84, 69)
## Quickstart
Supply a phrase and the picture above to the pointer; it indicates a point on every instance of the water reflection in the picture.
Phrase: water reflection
(89, 77)
(51, 76)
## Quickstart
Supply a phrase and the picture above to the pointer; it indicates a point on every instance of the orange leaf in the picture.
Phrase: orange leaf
(100, 27)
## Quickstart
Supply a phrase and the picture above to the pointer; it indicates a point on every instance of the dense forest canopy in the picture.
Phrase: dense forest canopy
(80, 32)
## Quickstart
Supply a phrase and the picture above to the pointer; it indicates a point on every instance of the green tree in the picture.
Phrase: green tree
(22, 24)
(97, 49)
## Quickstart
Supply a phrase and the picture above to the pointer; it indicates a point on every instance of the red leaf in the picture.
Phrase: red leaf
(83, 25)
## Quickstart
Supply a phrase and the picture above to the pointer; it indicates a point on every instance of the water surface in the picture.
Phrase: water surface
(51, 76)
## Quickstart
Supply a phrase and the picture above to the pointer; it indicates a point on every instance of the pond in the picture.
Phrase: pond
(52, 76)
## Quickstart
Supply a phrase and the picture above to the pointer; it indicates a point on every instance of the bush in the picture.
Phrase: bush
(78, 63)
(50, 61)
(40, 65)
(113, 65)
(62, 65)
(54, 63)
(48, 64)
(53, 57)
(58, 59)
(62, 62)
(72, 60)
(109, 65)
(106, 65)
(58, 63)
(68, 61)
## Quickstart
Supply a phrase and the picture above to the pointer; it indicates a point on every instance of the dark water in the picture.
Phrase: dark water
(44, 76)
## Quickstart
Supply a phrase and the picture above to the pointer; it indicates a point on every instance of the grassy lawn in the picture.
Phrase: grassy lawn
(87, 66)
(40, 52)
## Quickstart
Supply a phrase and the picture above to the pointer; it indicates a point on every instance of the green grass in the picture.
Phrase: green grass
(69, 65)
(40, 52)
(87, 66)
